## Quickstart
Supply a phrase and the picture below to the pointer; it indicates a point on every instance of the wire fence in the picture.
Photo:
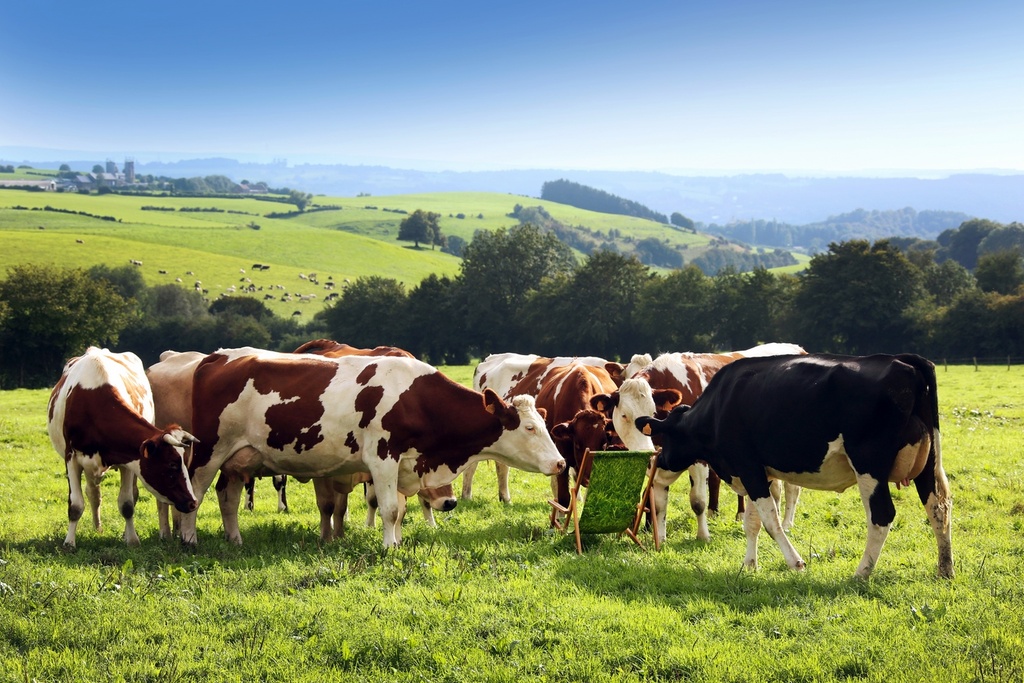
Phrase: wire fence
(978, 362)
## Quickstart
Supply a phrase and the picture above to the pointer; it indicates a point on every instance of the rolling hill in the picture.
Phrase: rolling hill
(216, 241)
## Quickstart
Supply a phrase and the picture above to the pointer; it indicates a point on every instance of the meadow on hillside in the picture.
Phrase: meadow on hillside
(216, 240)
(494, 594)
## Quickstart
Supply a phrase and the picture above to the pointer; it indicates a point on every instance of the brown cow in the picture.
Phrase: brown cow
(515, 374)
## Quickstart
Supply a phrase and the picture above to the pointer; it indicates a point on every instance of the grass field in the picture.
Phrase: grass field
(356, 239)
(493, 594)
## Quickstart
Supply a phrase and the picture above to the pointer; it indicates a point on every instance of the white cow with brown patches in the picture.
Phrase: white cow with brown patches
(310, 416)
(100, 415)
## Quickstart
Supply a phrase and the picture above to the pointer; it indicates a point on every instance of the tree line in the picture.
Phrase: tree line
(583, 197)
(521, 289)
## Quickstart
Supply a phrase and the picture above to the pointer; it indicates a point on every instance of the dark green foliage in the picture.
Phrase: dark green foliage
(369, 313)
(1001, 271)
(583, 197)
(681, 221)
(51, 315)
(855, 298)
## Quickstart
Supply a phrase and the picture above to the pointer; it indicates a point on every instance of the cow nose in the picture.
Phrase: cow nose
(560, 467)
(187, 507)
(449, 505)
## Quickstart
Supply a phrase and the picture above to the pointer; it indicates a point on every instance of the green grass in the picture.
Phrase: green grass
(348, 243)
(493, 594)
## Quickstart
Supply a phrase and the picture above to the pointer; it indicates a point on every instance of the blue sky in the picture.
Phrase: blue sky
(875, 87)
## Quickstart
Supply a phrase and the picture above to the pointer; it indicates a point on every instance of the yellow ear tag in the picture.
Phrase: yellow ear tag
(489, 408)
(647, 430)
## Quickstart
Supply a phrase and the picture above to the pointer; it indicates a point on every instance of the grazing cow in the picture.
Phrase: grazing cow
(171, 381)
(687, 374)
(565, 394)
(334, 509)
(312, 416)
(514, 374)
(823, 422)
(100, 415)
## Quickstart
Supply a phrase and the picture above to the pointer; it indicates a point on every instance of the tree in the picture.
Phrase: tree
(421, 226)
(368, 313)
(598, 316)
(54, 314)
(97, 168)
(749, 308)
(499, 270)
(681, 221)
(962, 244)
(855, 299)
(126, 280)
(300, 199)
(1001, 272)
(675, 312)
(433, 330)
(64, 168)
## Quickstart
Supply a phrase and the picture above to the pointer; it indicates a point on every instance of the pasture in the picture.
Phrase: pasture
(493, 594)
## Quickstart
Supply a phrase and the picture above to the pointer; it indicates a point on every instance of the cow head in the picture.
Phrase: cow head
(588, 429)
(163, 468)
(524, 442)
(634, 399)
(679, 448)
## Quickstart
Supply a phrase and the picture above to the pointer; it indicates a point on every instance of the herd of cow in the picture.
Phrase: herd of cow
(342, 416)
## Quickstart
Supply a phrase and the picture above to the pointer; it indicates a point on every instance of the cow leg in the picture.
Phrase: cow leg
(714, 488)
(663, 479)
(201, 481)
(323, 488)
(281, 484)
(126, 504)
(370, 497)
(699, 477)
(467, 480)
(767, 514)
(740, 508)
(428, 512)
(93, 475)
(792, 498)
(229, 495)
(76, 501)
(880, 513)
(250, 490)
(933, 490)
(502, 473)
(384, 473)
(163, 518)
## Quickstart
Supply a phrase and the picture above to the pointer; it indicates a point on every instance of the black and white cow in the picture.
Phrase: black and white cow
(823, 422)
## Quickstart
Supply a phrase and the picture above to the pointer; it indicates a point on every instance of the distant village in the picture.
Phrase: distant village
(111, 177)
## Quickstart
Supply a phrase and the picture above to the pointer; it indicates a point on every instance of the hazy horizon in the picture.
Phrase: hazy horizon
(798, 88)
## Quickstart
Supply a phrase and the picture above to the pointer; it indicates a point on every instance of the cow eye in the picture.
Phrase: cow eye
(530, 428)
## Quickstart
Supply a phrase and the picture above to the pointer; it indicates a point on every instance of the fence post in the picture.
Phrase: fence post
(975, 363)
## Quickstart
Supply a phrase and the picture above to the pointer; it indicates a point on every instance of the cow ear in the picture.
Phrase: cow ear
(615, 372)
(604, 403)
(543, 413)
(492, 402)
(148, 448)
(667, 399)
(647, 425)
(561, 432)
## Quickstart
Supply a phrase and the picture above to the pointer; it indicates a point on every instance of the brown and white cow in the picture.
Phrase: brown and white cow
(516, 374)
(100, 415)
(309, 416)
(333, 513)
(687, 374)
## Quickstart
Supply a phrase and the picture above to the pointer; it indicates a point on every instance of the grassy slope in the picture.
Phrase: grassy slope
(492, 594)
(352, 242)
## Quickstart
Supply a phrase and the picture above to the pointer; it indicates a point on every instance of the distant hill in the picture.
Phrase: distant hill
(708, 199)
(859, 224)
